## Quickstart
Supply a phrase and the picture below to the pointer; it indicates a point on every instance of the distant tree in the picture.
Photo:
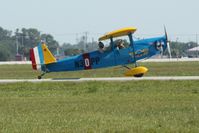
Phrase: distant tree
(7, 45)
(26, 39)
(67, 46)
(5, 34)
(179, 49)
(29, 38)
(72, 52)
(4, 53)
(74, 49)
(52, 44)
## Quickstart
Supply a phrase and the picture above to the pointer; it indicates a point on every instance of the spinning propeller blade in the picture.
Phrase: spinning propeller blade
(161, 51)
(167, 41)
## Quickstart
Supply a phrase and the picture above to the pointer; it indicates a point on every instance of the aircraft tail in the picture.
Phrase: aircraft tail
(41, 56)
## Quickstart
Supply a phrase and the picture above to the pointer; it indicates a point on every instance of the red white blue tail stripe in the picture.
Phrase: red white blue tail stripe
(36, 57)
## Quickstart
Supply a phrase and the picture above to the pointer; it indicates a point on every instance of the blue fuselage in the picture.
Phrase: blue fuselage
(97, 59)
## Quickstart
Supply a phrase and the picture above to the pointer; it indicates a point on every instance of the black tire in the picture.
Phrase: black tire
(39, 77)
(139, 75)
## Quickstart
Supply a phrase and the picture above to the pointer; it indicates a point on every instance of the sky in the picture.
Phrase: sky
(67, 20)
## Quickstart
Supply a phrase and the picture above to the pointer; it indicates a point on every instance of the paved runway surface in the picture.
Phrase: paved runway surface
(147, 60)
(100, 79)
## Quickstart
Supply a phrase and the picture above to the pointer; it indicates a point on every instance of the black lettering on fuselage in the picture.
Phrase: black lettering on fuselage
(93, 61)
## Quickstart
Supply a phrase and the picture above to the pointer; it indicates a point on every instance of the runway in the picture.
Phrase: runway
(148, 60)
(162, 78)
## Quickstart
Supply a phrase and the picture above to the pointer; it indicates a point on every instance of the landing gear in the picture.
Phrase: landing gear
(139, 75)
(40, 76)
(136, 72)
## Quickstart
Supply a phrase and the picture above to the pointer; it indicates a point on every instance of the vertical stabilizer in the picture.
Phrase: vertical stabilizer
(41, 55)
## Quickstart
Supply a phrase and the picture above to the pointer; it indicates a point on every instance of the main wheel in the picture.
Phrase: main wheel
(139, 75)
(39, 77)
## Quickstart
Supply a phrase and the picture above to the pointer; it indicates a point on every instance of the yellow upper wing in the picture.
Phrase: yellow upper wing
(118, 33)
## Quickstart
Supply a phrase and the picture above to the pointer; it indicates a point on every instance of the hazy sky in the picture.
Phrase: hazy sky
(65, 18)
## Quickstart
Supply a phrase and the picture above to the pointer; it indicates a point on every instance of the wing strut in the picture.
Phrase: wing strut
(112, 48)
(132, 44)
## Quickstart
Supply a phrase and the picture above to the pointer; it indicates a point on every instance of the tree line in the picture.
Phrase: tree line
(21, 40)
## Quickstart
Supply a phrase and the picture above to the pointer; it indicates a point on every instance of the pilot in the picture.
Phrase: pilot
(120, 44)
(101, 46)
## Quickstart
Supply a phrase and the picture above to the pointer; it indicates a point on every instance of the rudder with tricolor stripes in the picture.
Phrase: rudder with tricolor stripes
(41, 56)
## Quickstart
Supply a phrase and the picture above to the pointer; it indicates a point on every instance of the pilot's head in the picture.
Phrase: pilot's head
(101, 45)
(120, 41)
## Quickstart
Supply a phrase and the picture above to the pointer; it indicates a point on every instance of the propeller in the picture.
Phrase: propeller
(161, 51)
(168, 43)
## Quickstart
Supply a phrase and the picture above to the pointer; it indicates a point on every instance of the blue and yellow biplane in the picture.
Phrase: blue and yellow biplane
(118, 52)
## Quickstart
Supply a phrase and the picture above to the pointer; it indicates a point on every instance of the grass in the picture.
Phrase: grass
(138, 106)
(155, 69)
(135, 106)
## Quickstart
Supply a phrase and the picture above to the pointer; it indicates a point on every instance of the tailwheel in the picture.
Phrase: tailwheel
(40, 76)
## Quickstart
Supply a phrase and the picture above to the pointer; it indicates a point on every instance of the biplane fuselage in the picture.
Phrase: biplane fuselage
(136, 50)
(96, 59)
